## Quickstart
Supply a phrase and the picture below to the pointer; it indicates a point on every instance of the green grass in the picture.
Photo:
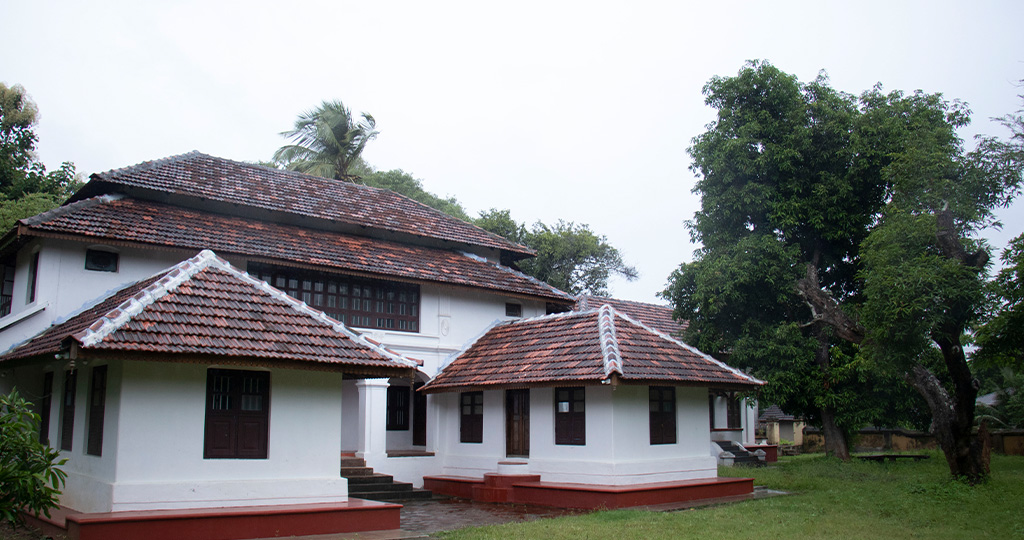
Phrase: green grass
(830, 499)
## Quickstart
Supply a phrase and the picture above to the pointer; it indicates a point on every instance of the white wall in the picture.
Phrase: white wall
(158, 441)
(617, 449)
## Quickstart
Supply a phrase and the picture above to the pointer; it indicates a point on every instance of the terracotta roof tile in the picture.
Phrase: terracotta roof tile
(581, 347)
(216, 179)
(120, 218)
(206, 307)
(656, 316)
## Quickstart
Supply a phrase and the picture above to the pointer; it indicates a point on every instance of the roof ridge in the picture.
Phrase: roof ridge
(517, 273)
(610, 353)
(43, 217)
(150, 164)
(690, 348)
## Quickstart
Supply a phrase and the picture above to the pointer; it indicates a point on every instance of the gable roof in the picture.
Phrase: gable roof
(288, 195)
(581, 347)
(118, 219)
(205, 309)
(656, 316)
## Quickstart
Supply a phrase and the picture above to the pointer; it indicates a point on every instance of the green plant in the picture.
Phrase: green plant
(30, 479)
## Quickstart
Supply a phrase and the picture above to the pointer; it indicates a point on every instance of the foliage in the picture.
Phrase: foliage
(1008, 411)
(569, 257)
(30, 477)
(402, 182)
(328, 141)
(825, 499)
(26, 188)
(1001, 338)
(791, 181)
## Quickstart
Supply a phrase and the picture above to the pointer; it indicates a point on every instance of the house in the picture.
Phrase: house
(329, 302)
(595, 400)
(732, 418)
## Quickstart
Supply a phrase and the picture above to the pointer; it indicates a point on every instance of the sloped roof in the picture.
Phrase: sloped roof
(116, 218)
(204, 307)
(656, 316)
(203, 177)
(774, 413)
(581, 347)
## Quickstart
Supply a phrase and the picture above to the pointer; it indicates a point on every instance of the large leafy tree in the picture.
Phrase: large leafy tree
(791, 182)
(26, 188)
(402, 182)
(570, 256)
(925, 271)
(327, 141)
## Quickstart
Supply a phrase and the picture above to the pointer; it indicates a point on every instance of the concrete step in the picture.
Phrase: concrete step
(375, 478)
(348, 472)
(414, 494)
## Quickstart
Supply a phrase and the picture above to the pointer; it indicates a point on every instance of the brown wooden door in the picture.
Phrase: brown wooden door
(517, 422)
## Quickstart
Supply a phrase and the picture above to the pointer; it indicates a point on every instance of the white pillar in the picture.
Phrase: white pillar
(373, 403)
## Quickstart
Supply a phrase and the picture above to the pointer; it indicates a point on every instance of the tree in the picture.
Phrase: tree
(328, 141)
(30, 477)
(924, 270)
(1001, 339)
(790, 183)
(402, 182)
(26, 188)
(569, 257)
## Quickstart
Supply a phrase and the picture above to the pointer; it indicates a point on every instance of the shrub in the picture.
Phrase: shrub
(30, 479)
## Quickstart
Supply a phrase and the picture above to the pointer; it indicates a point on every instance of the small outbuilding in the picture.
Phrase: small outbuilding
(586, 401)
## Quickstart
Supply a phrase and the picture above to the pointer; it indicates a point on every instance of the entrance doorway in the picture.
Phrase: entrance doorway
(517, 422)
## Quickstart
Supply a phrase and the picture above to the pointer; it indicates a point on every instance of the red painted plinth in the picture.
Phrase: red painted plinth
(771, 451)
(453, 486)
(525, 490)
(236, 523)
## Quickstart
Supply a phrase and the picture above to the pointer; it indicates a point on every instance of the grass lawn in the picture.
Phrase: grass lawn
(830, 500)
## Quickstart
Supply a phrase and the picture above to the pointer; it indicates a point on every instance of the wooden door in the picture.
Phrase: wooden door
(517, 422)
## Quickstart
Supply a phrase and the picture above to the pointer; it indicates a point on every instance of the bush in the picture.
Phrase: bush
(30, 479)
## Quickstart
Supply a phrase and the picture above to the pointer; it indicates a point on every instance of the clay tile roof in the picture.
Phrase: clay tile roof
(656, 316)
(204, 307)
(581, 347)
(118, 218)
(209, 178)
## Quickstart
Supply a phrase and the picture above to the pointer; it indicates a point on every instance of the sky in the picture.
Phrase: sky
(579, 111)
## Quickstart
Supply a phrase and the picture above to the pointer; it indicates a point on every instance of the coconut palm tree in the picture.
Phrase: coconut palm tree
(327, 141)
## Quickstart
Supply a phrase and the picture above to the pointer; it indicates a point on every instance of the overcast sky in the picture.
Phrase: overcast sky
(579, 111)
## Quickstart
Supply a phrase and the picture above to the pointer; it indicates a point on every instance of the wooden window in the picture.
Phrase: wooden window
(97, 404)
(7, 291)
(33, 274)
(44, 408)
(733, 409)
(471, 426)
(398, 408)
(570, 416)
(513, 309)
(663, 414)
(237, 414)
(711, 409)
(67, 417)
(386, 305)
(100, 261)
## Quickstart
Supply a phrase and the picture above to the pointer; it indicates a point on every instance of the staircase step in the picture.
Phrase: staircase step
(353, 462)
(414, 494)
(356, 471)
(374, 478)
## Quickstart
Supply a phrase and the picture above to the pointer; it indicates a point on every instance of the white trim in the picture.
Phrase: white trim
(15, 318)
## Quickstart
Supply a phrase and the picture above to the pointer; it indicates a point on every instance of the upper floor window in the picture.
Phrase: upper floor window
(7, 291)
(365, 303)
(100, 261)
(33, 274)
(513, 309)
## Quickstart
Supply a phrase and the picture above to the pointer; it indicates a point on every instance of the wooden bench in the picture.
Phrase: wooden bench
(893, 457)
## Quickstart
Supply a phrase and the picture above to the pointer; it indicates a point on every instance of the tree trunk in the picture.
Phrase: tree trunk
(835, 438)
(951, 426)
